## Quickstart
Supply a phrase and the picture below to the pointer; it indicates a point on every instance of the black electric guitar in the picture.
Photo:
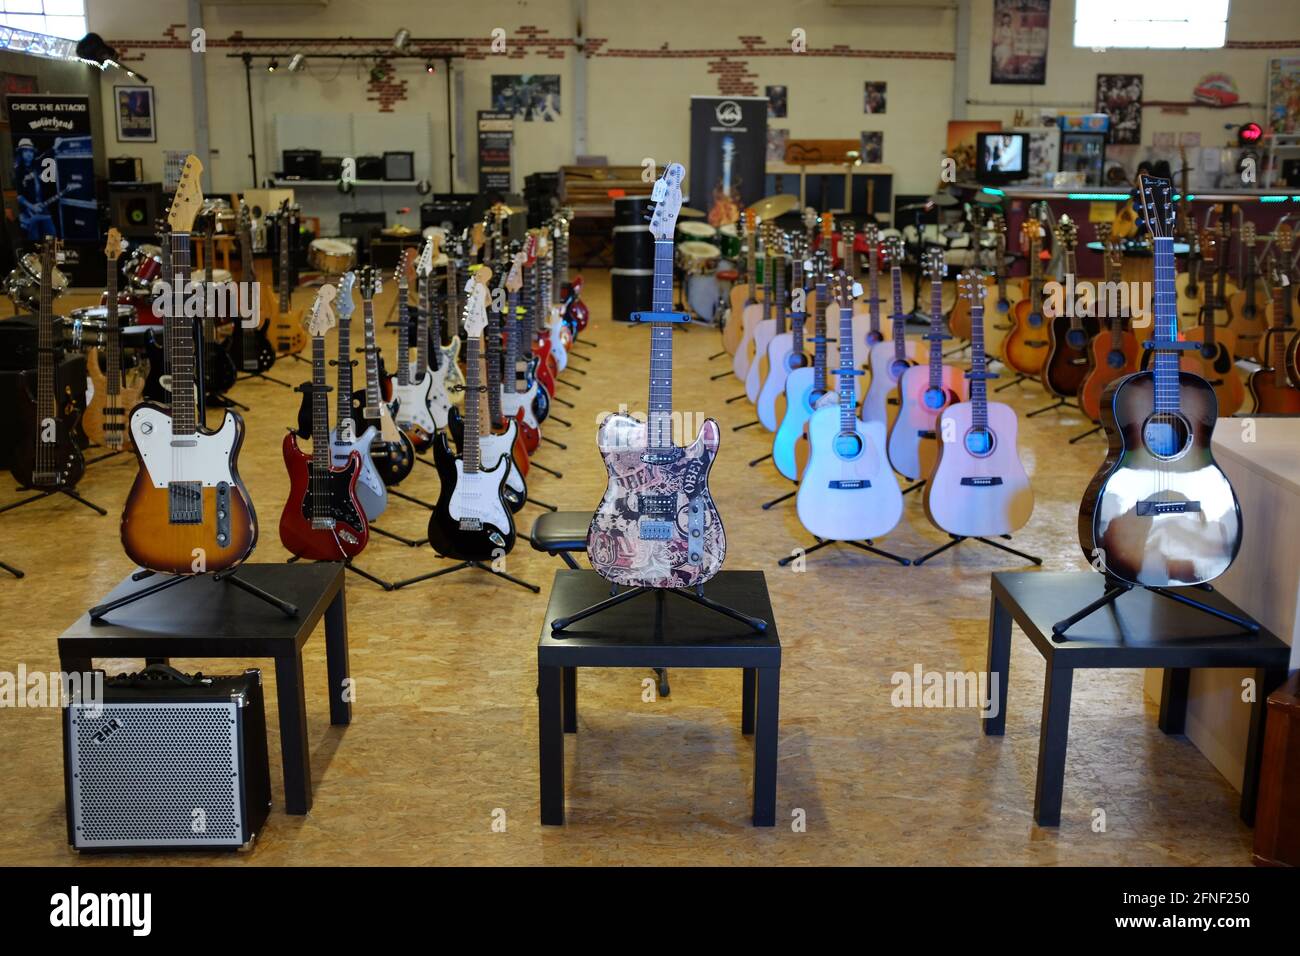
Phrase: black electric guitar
(252, 350)
(46, 455)
(392, 451)
(472, 521)
(1160, 511)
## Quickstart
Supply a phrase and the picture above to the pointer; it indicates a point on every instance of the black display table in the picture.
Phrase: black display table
(658, 630)
(201, 617)
(1139, 630)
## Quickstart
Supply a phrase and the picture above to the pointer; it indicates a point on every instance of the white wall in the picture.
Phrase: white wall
(637, 102)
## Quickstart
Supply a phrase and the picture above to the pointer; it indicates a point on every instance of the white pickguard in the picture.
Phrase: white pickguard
(372, 494)
(413, 405)
(479, 496)
(847, 514)
(439, 400)
(454, 378)
(557, 339)
(511, 402)
(205, 458)
(493, 447)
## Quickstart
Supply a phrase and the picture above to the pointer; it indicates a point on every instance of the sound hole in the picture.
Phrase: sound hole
(1035, 319)
(897, 367)
(934, 398)
(874, 337)
(1115, 358)
(979, 442)
(1076, 338)
(795, 360)
(1166, 435)
(848, 445)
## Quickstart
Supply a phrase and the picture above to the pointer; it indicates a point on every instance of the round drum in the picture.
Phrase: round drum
(697, 258)
(702, 295)
(729, 241)
(631, 211)
(143, 266)
(693, 230)
(331, 256)
(83, 332)
(23, 285)
(631, 291)
(634, 248)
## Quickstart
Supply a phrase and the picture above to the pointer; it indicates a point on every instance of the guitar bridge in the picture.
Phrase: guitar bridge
(1152, 507)
(981, 481)
(185, 502)
(651, 529)
(471, 524)
(848, 484)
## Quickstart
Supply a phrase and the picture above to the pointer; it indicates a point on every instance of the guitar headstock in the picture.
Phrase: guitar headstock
(189, 196)
(820, 264)
(828, 229)
(871, 232)
(1284, 237)
(245, 222)
(934, 264)
(1249, 236)
(750, 220)
(113, 244)
(424, 265)
(1031, 232)
(1066, 232)
(371, 284)
(476, 238)
(403, 270)
(344, 304)
(1158, 210)
(1103, 231)
(895, 251)
(1209, 248)
(809, 218)
(970, 286)
(667, 197)
(320, 318)
(474, 316)
(844, 289)
(515, 277)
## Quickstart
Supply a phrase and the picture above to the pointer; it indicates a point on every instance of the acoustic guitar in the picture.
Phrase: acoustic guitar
(1068, 335)
(1247, 318)
(804, 386)
(753, 315)
(1283, 317)
(890, 359)
(1025, 347)
(1272, 388)
(978, 485)
(1160, 511)
(104, 421)
(785, 352)
(1115, 351)
(188, 511)
(773, 321)
(1214, 361)
(743, 294)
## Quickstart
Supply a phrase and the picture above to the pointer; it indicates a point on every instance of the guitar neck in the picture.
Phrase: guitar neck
(113, 337)
(320, 411)
(979, 399)
(936, 332)
(470, 454)
(180, 333)
(659, 424)
(403, 335)
(819, 340)
(1165, 307)
(873, 284)
(422, 328)
(847, 389)
(493, 353)
(898, 319)
(284, 264)
(798, 316)
(344, 378)
(45, 384)
(371, 410)
(779, 269)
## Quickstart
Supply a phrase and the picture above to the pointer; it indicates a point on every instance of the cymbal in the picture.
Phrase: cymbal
(770, 207)
(690, 213)
(944, 199)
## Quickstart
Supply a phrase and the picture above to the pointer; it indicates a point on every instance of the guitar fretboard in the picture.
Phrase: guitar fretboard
(898, 318)
(979, 399)
(422, 328)
(343, 410)
(936, 329)
(1165, 308)
(659, 423)
(493, 354)
(819, 339)
(847, 389)
(180, 334)
(403, 332)
(798, 316)
(470, 454)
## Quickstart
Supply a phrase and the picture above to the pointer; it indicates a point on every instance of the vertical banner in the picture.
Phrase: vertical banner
(728, 154)
(496, 134)
(1020, 41)
(53, 167)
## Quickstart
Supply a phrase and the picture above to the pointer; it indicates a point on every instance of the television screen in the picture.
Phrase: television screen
(1001, 157)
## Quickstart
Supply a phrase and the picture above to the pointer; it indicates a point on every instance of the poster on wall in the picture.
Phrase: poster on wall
(776, 143)
(53, 167)
(1284, 95)
(135, 114)
(496, 134)
(1020, 41)
(728, 150)
(527, 96)
(1119, 96)
(872, 146)
(777, 102)
(873, 97)
(961, 142)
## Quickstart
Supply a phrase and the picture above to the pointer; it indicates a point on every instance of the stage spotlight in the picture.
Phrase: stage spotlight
(296, 62)
(273, 65)
(400, 39)
(428, 67)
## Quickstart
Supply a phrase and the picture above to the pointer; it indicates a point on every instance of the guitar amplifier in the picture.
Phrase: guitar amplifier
(301, 163)
(167, 761)
(370, 167)
(125, 169)
(399, 165)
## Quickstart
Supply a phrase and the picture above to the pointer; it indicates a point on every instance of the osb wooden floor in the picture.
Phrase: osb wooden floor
(445, 727)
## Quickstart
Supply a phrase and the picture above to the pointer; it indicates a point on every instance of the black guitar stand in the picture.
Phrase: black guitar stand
(394, 536)
(359, 572)
(1059, 403)
(760, 459)
(959, 538)
(696, 596)
(1115, 589)
(462, 566)
(530, 500)
(867, 545)
(46, 494)
(737, 398)
(767, 505)
(12, 570)
(915, 486)
(718, 355)
(1082, 435)
(218, 577)
(563, 401)
(714, 378)
(552, 441)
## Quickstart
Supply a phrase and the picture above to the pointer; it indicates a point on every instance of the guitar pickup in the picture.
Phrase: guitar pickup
(651, 529)
(848, 484)
(981, 481)
(664, 457)
(1151, 507)
(657, 506)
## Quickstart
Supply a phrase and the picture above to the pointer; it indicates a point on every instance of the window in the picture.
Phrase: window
(57, 18)
(1151, 24)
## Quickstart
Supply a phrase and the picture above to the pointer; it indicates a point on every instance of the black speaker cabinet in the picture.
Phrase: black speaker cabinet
(125, 169)
(399, 166)
(303, 163)
(167, 761)
(17, 370)
(135, 208)
(370, 167)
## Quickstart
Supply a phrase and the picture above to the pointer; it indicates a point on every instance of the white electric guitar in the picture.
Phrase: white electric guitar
(554, 321)
(371, 492)
(513, 400)
(437, 368)
(847, 491)
(411, 391)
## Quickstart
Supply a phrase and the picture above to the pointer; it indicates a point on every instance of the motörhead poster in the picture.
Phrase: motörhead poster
(53, 166)
(728, 154)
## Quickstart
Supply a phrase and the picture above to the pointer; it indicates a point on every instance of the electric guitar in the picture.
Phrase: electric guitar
(769, 325)
(925, 391)
(556, 265)
(726, 197)
(286, 324)
(471, 521)
(1068, 334)
(978, 485)
(848, 491)
(1213, 361)
(413, 388)
(372, 493)
(1115, 352)
(188, 511)
(518, 396)
(392, 452)
(46, 455)
(1159, 511)
(1246, 310)
(804, 386)
(785, 352)
(743, 294)
(1274, 391)
(253, 351)
(534, 351)
(104, 421)
(435, 366)
(322, 518)
(890, 358)
(656, 525)
(448, 356)
(1025, 347)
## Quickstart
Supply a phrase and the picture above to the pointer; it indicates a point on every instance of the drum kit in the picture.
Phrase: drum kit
(707, 257)
(333, 257)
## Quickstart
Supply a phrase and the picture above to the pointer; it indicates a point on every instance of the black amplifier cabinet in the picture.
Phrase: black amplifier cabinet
(303, 163)
(167, 761)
